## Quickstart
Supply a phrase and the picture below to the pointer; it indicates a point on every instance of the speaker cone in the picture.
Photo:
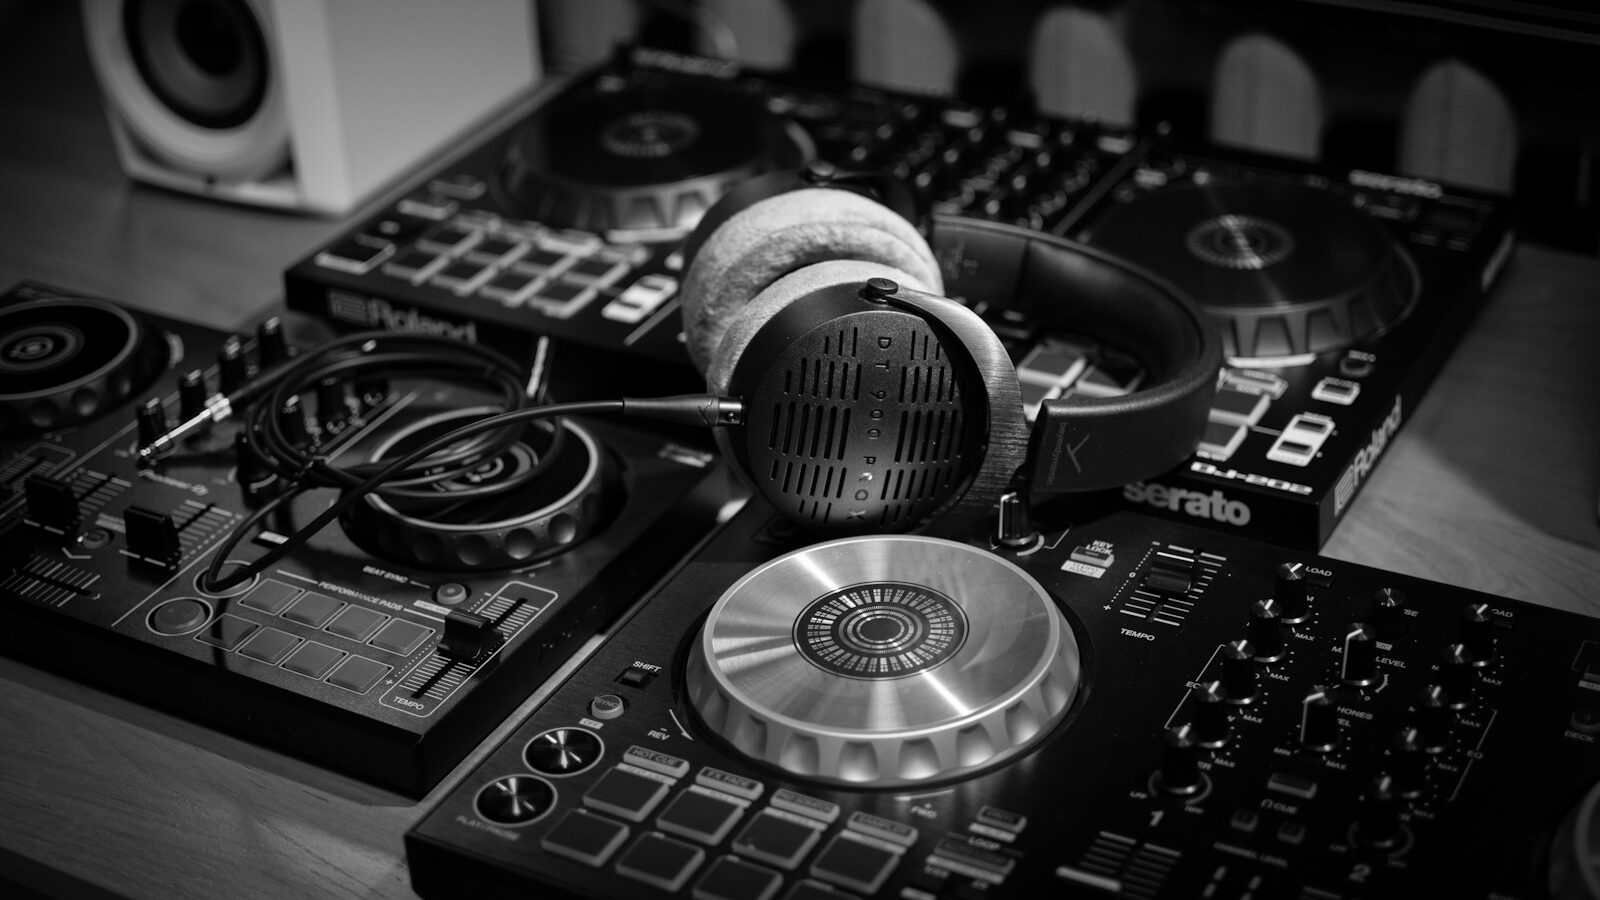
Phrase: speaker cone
(195, 82)
(205, 59)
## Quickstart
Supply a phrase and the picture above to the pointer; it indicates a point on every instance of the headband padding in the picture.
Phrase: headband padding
(781, 234)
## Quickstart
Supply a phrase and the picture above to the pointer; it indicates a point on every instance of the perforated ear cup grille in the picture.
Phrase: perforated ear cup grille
(856, 423)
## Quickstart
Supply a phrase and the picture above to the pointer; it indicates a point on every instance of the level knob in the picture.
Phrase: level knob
(1458, 675)
(192, 397)
(1388, 613)
(1212, 720)
(272, 345)
(151, 417)
(1239, 675)
(1358, 656)
(1433, 718)
(1408, 762)
(1180, 773)
(292, 421)
(1477, 632)
(1378, 824)
(233, 367)
(1319, 719)
(1265, 630)
(1293, 592)
(333, 403)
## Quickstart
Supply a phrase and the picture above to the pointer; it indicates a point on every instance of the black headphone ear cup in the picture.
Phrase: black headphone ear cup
(747, 321)
(781, 234)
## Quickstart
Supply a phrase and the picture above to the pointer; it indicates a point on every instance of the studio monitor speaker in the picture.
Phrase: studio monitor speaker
(300, 104)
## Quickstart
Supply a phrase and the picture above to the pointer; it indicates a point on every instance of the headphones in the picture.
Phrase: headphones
(875, 404)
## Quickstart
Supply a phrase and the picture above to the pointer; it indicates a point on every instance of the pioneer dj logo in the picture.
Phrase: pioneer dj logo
(1213, 505)
(370, 312)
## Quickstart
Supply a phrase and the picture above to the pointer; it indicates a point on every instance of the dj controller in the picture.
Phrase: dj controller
(1124, 707)
(1124, 695)
(1338, 293)
(389, 645)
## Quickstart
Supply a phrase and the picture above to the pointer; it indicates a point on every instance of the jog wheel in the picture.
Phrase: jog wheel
(473, 525)
(64, 362)
(884, 660)
(1284, 270)
(645, 158)
(1575, 851)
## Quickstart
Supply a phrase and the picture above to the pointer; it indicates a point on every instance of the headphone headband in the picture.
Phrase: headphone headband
(1091, 443)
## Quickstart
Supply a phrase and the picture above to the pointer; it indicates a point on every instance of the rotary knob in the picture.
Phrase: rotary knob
(1213, 721)
(1408, 762)
(884, 660)
(1478, 632)
(1180, 773)
(1388, 613)
(1319, 720)
(1293, 592)
(233, 366)
(1239, 675)
(1378, 825)
(1433, 718)
(1458, 675)
(1265, 630)
(1358, 656)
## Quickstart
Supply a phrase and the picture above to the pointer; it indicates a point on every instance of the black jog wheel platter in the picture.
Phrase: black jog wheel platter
(63, 362)
(1285, 270)
(641, 159)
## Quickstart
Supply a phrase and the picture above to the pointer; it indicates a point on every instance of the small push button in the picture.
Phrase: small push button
(358, 674)
(401, 637)
(856, 863)
(627, 794)
(701, 815)
(731, 878)
(777, 838)
(585, 837)
(356, 623)
(660, 861)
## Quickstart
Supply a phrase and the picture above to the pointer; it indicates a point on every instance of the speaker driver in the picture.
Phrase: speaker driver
(205, 59)
(195, 82)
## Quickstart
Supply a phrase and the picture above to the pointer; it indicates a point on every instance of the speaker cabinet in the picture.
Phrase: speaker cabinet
(300, 104)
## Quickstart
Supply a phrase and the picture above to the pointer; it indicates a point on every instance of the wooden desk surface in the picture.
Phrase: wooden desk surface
(1491, 485)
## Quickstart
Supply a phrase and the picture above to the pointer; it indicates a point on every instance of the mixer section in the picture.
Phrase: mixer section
(390, 642)
(1222, 718)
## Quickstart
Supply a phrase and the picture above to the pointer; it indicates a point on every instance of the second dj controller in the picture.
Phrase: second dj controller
(1237, 721)
(390, 644)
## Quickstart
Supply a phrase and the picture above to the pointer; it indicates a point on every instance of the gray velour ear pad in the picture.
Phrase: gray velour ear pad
(744, 322)
(773, 237)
